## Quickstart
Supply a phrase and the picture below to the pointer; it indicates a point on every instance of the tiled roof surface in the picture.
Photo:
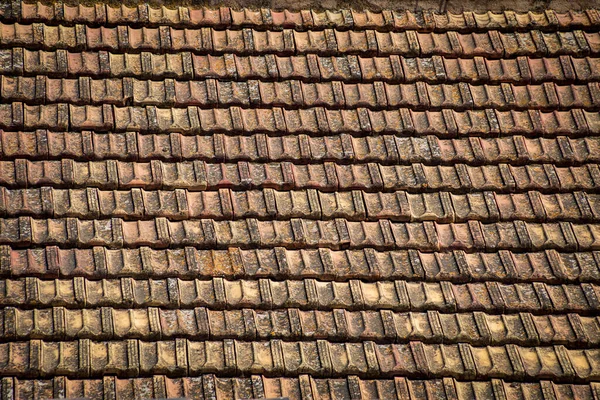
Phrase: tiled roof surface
(220, 203)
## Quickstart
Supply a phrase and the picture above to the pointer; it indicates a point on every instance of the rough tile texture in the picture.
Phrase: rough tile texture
(234, 203)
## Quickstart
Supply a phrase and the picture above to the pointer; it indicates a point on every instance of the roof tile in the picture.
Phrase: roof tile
(316, 196)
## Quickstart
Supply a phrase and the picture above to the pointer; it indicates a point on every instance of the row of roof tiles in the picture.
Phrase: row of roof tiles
(384, 326)
(328, 176)
(306, 294)
(301, 233)
(297, 94)
(224, 17)
(123, 38)
(313, 120)
(356, 205)
(260, 386)
(350, 68)
(181, 357)
(279, 263)
(343, 148)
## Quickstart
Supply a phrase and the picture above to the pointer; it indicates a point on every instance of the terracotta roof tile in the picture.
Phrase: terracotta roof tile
(259, 203)
(260, 385)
